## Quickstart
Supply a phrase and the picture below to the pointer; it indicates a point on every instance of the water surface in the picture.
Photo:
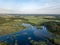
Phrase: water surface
(24, 37)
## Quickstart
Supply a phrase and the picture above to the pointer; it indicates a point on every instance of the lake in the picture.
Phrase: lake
(29, 36)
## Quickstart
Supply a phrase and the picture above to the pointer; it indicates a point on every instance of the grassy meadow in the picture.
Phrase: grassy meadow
(10, 24)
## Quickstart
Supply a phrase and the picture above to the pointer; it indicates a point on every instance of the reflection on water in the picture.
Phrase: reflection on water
(29, 36)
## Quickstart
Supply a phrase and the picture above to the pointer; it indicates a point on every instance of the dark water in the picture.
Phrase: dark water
(25, 36)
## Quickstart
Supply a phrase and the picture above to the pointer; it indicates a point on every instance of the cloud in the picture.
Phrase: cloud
(30, 6)
(49, 10)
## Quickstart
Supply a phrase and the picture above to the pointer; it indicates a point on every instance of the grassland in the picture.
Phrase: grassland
(11, 24)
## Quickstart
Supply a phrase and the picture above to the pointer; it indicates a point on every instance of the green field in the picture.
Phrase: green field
(10, 24)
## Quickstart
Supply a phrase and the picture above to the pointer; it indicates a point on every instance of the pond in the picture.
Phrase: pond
(28, 36)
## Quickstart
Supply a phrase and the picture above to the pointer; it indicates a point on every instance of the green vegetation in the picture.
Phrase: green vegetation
(10, 24)
(3, 43)
(53, 26)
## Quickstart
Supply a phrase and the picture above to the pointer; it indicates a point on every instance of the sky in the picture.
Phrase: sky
(30, 6)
